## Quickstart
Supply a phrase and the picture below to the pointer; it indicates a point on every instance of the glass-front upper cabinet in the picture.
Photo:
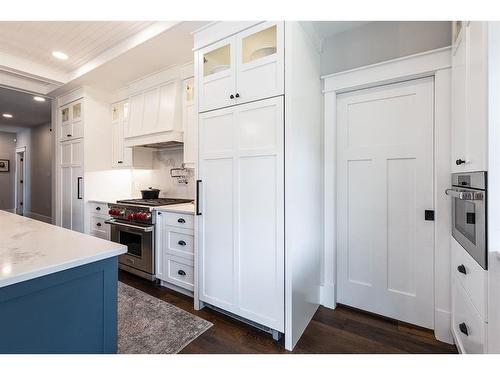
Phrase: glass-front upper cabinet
(217, 81)
(64, 114)
(260, 62)
(76, 110)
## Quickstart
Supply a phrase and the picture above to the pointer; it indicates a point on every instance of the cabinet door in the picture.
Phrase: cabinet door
(77, 199)
(459, 99)
(217, 75)
(66, 128)
(134, 124)
(120, 154)
(260, 62)
(189, 122)
(241, 228)
(477, 96)
(66, 197)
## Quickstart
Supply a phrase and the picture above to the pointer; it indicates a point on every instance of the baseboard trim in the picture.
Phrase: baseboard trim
(11, 210)
(442, 326)
(176, 288)
(327, 296)
(34, 215)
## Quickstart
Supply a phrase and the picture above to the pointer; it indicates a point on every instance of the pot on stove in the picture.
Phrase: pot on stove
(150, 193)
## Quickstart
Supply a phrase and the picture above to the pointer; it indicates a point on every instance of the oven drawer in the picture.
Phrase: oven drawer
(474, 280)
(179, 242)
(178, 271)
(468, 328)
(178, 220)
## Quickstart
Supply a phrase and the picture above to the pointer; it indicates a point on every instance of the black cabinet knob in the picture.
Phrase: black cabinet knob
(98, 224)
(182, 243)
(237, 95)
(231, 96)
(463, 329)
(461, 269)
(159, 213)
(181, 272)
(98, 208)
(459, 161)
(181, 220)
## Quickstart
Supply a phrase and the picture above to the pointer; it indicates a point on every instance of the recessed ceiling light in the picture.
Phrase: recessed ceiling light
(7, 115)
(38, 99)
(59, 55)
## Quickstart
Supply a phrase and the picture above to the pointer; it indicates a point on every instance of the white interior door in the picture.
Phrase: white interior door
(385, 183)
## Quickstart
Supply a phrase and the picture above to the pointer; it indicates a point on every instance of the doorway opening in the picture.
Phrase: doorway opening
(20, 180)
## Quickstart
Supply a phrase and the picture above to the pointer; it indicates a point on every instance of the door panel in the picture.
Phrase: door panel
(385, 184)
(66, 197)
(77, 201)
(242, 223)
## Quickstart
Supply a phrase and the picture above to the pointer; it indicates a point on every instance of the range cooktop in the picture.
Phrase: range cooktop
(154, 202)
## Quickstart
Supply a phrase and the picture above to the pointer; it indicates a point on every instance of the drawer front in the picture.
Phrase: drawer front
(66, 132)
(179, 220)
(97, 224)
(78, 129)
(474, 280)
(178, 271)
(99, 209)
(180, 242)
(468, 327)
(104, 236)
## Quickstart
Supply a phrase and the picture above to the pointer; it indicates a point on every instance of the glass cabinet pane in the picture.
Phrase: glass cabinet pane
(217, 60)
(125, 111)
(259, 45)
(77, 110)
(189, 93)
(65, 114)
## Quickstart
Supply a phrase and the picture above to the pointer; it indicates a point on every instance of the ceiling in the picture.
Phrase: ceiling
(26, 111)
(81, 41)
(326, 29)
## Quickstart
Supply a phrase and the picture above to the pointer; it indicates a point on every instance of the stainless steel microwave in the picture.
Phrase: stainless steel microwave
(469, 227)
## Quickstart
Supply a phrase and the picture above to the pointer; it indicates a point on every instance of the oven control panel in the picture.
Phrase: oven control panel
(132, 214)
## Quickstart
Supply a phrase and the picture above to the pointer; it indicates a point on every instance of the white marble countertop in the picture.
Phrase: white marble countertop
(31, 248)
(183, 208)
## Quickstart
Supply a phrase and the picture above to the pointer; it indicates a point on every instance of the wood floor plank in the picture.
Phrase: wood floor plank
(341, 331)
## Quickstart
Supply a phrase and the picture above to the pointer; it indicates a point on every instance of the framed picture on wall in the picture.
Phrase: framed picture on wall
(4, 165)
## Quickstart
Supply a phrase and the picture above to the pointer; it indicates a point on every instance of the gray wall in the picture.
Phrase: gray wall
(7, 151)
(41, 170)
(381, 41)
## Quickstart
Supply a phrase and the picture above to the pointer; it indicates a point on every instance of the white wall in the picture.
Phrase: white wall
(7, 151)
(381, 41)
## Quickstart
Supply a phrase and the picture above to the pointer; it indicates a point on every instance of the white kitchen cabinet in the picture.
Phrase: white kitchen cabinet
(175, 250)
(126, 157)
(189, 123)
(72, 216)
(241, 68)
(98, 214)
(154, 114)
(469, 96)
(242, 170)
(71, 121)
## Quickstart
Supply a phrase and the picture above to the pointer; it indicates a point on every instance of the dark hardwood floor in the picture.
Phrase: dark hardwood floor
(340, 331)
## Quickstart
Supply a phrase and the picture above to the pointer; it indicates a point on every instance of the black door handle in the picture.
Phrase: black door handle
(182, 243)
(459, 161)
(463, 329)
(198, 182)
(181, 220)
(181, 272)
(461, 269)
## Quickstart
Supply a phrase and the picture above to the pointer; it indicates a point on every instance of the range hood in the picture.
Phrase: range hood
(168, 139)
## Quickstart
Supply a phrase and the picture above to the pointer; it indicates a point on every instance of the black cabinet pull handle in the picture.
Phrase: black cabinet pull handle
(181, 220)
(461, 269)
(78, 187)
(98, 224)
(198, 182)
(68, 135)
(181, 272)
(459, 161)
(120, 162)
(182, 243)
(463, 329)
(237, 95)
(231, 96)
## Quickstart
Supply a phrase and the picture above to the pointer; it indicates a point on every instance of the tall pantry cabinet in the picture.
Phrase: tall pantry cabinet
(83, 132)
(259, 236)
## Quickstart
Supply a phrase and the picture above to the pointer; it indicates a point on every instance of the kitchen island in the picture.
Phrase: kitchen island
(58, 289)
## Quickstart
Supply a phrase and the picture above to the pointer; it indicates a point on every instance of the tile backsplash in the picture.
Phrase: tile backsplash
(159, 177)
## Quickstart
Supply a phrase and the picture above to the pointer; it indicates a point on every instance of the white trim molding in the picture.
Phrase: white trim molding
(436, 64)
(39, 217)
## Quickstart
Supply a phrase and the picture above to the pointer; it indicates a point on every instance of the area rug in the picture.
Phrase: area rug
(148, 325)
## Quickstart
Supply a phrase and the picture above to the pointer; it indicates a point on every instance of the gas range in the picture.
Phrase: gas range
(139, 210)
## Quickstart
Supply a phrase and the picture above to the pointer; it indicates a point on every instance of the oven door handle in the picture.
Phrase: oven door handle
(465, 195)
(142, 229)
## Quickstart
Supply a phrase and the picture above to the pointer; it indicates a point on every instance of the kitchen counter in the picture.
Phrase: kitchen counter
(183, 208)
(31, 248)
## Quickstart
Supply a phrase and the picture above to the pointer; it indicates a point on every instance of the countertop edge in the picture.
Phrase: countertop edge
(60, 267)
